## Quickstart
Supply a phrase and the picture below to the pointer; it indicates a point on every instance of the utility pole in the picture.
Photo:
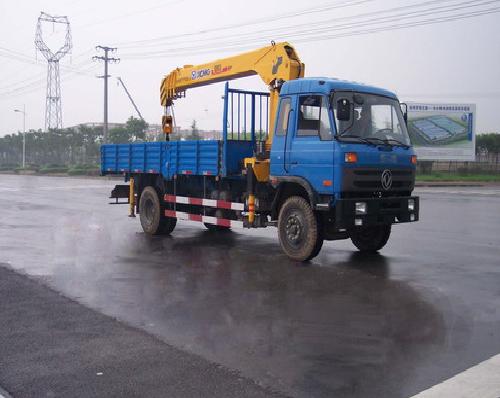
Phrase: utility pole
(24, 133)
(106, 59)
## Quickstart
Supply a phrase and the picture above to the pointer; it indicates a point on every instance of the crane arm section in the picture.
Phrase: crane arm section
(275, 64)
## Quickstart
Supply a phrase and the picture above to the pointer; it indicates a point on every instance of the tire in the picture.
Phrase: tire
(319, 241)
(298, 230)
(150, 214)
(370, 239)
(167, 225)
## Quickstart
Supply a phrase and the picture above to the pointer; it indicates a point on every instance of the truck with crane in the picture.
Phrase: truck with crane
(318, 158)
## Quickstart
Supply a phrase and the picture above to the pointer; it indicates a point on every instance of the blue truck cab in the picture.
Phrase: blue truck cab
(341, 166)
(348, 142)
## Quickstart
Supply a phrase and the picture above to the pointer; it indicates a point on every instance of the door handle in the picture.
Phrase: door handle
(294, 162)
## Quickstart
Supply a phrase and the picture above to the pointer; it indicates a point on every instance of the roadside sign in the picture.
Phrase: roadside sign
(443, 131)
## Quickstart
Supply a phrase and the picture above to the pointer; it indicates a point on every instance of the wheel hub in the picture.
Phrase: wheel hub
(293, 229)
(149, 210)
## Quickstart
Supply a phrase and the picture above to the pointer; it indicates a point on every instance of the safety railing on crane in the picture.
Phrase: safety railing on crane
(246, 115)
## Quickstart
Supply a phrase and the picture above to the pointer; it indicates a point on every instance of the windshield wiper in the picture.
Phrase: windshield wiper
(393, 141)
(374, 140)
(362, 139)
(379, 140)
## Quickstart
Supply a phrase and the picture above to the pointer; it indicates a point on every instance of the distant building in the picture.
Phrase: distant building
(99, 124)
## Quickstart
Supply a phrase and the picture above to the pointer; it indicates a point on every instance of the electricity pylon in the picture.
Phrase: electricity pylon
(53, 102)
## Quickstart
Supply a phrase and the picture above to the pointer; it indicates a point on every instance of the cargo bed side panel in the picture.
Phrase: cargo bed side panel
(191, 157)
(167, 158)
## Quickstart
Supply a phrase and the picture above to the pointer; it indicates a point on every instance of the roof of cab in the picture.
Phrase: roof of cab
(326, 85)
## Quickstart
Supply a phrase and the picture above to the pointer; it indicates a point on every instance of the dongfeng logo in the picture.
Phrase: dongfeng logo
(386, 179)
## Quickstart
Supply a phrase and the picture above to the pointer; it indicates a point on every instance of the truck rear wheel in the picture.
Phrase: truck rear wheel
(298, 230)
(370, 239)
(153, 222)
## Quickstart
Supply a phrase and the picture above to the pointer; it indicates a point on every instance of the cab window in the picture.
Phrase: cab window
(284, 111)
(313, 119)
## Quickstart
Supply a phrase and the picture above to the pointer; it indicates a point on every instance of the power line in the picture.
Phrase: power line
(346, 30)
(33, 83)
(39, 84)
(273, 18)
(130, 14)
(290, 33)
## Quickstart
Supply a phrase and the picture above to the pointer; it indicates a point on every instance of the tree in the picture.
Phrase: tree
(195, 134)
(120, 135)
(136, 128)
(489, 144)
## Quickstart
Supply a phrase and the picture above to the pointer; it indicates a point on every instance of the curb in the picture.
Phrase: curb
(495, 184)
(451, 184)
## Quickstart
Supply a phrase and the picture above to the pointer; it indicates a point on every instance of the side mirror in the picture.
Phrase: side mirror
(404, 109)
(343, 109)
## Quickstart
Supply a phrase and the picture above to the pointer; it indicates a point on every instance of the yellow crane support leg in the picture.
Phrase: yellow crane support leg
(251, 209)
(131, 198)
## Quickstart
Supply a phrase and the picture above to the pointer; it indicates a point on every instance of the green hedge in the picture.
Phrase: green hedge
(74, 170)
(8, 167)
(84, 169)
(83, 172)
(53, 169)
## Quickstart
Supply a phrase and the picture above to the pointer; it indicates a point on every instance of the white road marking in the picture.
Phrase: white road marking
(4, 394)
(480, 381)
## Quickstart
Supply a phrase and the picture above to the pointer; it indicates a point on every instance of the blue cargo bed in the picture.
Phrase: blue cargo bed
(244, 122)
(175, 157)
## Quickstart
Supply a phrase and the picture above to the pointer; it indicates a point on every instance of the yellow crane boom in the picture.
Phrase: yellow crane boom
(275, 64)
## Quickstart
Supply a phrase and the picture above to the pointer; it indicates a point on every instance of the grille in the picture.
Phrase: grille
(369, 180)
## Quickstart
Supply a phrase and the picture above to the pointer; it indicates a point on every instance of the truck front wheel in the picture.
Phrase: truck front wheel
(298, 230)
(153, 222)
(370, 239)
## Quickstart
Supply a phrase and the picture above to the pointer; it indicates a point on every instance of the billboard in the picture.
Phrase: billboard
(443, 131)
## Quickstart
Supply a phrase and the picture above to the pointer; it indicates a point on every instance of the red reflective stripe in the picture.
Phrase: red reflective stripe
(195, 201)
(222, 204)
(196, 217)
(223, 222)
(169, 198)
(170, 213)
(187, 172)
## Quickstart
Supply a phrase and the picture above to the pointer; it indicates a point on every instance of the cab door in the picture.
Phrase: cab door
(310, 149)
(280, 154)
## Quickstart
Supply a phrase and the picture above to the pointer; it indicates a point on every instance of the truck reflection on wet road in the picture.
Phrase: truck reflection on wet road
(347, 324)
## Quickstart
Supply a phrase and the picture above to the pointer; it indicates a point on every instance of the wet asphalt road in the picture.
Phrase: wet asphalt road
(346, 325)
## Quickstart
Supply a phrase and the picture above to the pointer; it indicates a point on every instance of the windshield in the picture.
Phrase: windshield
(370, 117)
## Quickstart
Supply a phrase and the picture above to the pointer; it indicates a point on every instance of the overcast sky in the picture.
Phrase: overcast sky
(456, 61)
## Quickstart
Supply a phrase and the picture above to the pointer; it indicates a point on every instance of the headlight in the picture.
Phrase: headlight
(361, 208)
(411, 204)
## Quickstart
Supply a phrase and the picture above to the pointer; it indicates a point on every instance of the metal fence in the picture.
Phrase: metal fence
(484, 164)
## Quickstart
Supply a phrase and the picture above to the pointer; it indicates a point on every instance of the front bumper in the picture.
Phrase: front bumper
(379, 211)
